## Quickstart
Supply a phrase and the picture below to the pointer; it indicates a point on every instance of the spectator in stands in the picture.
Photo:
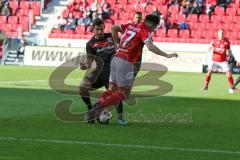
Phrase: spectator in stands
(188, 8)
(1, 5)
(162, 22)
(61, 22)
(6, 11)
(21, 49)
(106, 8)
(100, 13)
(199, 2)
(210, 5)
(197, 8)
(94, 16)
(71, 22)
(156, 11)
(145, 3)
(139, 5)
(223, 3)
(94, 6)
(84, 6)
(85, 20)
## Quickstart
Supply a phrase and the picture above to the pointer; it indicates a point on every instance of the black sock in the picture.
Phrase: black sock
(87, 101)
(237, 82)
(119, 108)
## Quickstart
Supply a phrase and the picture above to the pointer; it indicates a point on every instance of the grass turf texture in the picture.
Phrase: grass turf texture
(26, 111)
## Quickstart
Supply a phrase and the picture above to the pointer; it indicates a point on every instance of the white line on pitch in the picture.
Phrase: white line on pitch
(118, 145)
(34, 81)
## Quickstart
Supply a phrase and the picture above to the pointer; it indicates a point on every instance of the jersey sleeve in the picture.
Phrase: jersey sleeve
(212, 43)
(228, 45)
(124, 26)
(146, 36)
(89, 49)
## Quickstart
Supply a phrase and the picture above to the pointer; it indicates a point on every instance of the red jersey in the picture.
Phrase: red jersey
(132, 41)
(220, 48)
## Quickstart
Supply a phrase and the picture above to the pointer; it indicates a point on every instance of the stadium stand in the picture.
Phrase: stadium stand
(22, 15)
(200, 27)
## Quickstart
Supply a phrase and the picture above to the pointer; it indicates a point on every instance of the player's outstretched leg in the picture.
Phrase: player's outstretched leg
(207, 80)
(231, 82)
(84, 93)
(237, 82)
(119, 108)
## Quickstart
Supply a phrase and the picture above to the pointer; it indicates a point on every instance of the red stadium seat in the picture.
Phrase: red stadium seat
(12, 19)
(14, 6)
(193, 18)
(219, 11)
(24, 4)
(172, 33)
(3, 19)
(231, 11)
(80, 29)
(24, 19)
(204, 18)
(217, 19)
(161, 33)
(68, 31)
(174, 9)
(185, 33)
(56, 31)
(65, 13)
(36, 6)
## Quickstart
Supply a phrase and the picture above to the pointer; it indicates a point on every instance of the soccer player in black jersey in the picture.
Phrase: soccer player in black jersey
(100, 48)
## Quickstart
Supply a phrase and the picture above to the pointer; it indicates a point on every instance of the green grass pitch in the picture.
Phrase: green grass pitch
(29, 129)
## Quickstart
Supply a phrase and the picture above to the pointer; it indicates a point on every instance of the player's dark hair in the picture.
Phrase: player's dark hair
(97, 22)
(152, 19)
(138, 13)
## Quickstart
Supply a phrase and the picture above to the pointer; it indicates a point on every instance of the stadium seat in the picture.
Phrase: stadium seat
(204, 18)
(24, 4)
(56, 31)
(173, 33)
(13, 5)
(219, 11)
(68, 31)
(36, 6)
(192, 18)
(231, 11)
(186, 33)
(12, 19)
(65, 13)
(80, 29)
(3, 19)
(161, 33)
(217, 19)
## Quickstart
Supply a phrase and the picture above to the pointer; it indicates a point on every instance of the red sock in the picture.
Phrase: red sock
(230, 80)
(112, 99)
(207, 80)
(104, 95)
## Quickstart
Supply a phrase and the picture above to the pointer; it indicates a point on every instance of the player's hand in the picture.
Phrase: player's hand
(172, 55)
(117, 45)
(84, 66)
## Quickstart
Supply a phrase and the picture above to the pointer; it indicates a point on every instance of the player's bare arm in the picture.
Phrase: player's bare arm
(114, 30)
(153, 48)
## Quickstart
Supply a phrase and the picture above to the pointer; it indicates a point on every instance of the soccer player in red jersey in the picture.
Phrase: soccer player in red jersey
(122, 66)
(220, 48)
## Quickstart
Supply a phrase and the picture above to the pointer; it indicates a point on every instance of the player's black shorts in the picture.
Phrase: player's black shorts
(97, 79)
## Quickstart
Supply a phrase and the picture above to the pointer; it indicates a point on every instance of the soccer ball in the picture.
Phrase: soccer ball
(105, 117)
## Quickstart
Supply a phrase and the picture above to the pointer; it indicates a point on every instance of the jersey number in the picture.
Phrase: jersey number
(126, 37)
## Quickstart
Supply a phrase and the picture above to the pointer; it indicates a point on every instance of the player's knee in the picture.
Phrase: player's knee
(229, 74)
(83, 89)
